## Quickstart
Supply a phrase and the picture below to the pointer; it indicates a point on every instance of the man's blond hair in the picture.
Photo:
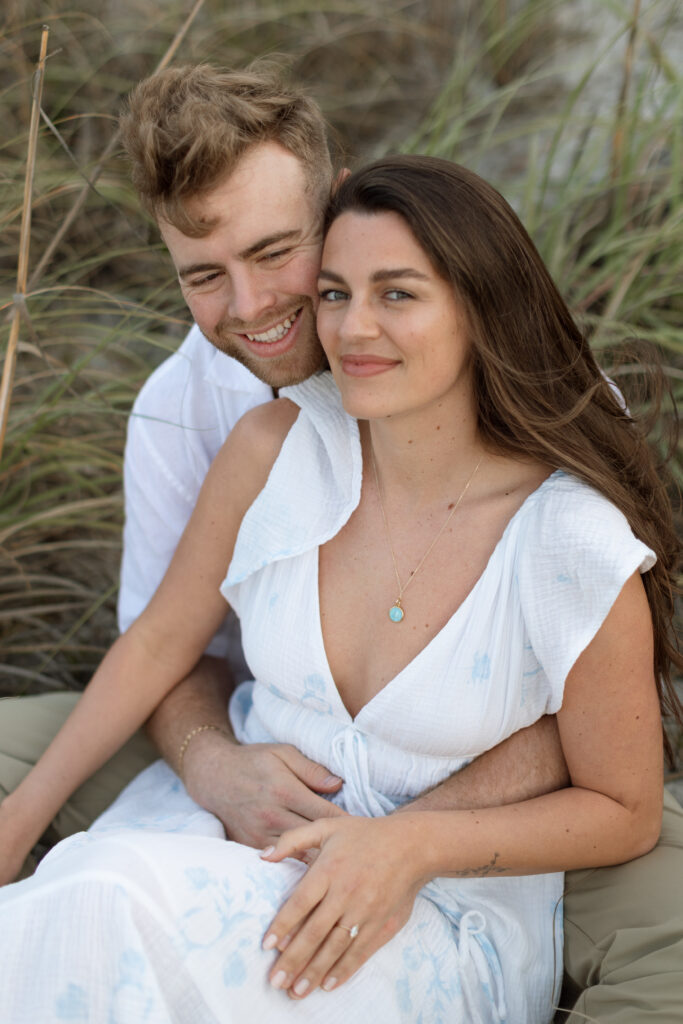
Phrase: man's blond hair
(186, 128)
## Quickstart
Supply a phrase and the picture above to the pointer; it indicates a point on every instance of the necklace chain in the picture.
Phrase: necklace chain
(396, 612)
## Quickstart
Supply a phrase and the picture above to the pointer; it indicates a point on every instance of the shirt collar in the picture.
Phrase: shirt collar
(225, 372)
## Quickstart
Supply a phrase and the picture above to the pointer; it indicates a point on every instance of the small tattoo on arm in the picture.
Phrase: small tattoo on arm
(491, 868)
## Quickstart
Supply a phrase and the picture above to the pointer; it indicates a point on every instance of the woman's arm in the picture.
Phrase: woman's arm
(369, 870)
(161, 646)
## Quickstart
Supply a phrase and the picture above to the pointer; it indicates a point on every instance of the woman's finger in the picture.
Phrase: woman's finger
(319, 940)
(322, 964)
(289, 920)
(308, 962)
(290, 823)
(295, 841)
(369, 940)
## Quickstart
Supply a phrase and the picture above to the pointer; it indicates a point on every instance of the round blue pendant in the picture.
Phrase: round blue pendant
(395, 613)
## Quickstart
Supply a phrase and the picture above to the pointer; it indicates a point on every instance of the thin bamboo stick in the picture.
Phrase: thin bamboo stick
(109, 149)
(24, 242)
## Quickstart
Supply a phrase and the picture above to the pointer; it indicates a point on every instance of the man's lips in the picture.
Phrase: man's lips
(366, 365)
(278, 343)
(275, 331)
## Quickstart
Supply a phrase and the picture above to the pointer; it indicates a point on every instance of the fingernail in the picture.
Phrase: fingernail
(329, 984)
(278, 981)
(267, 852)
(332, 780)
(285, 942)
(270, 941)
(302, 986)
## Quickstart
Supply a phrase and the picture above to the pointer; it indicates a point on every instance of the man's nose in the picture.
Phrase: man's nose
(250, 297)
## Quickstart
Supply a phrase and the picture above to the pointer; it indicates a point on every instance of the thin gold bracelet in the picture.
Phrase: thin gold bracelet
(188, 739)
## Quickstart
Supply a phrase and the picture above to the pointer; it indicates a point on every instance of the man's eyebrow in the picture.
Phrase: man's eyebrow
(279, 236)
(378, 275)
(251, 250)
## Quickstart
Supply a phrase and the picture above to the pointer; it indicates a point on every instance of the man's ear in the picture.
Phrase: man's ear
(340, 177)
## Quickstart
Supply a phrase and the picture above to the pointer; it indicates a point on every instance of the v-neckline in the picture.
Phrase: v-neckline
(353, 719)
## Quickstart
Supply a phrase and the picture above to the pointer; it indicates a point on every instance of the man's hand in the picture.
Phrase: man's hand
(258, 790)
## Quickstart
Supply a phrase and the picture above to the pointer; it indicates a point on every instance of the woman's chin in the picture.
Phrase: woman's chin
(363, 401)
(367, 409)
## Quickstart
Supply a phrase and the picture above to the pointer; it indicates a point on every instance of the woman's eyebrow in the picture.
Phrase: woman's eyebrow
(378, 275)
(386, 275)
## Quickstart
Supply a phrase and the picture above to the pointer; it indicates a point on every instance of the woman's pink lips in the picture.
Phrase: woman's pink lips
(366, 366)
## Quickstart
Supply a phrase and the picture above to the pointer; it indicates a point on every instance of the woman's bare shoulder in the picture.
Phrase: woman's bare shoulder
(247, 456)
(260, 433)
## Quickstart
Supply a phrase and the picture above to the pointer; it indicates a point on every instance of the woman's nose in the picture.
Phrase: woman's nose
(359, 321)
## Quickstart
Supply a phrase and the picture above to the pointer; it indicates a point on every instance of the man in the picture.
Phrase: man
(235, 169)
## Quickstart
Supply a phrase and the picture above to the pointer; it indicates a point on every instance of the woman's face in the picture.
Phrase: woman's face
(394, 333)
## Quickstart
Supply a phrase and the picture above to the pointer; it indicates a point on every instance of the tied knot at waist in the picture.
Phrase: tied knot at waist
(350, 759)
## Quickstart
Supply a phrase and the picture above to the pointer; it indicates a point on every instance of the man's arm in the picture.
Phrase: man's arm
(257, 791)
(260, 791)
(529, 763)
(201, 699)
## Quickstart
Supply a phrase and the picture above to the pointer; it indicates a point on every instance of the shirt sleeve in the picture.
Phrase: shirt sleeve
(579, 552)
(173, 433)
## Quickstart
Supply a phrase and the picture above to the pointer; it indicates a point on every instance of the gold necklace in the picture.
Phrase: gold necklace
(396, 612)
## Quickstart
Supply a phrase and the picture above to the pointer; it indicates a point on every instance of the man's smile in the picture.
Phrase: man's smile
(274, 333)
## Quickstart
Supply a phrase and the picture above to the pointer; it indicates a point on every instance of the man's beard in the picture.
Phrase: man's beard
(298, 363)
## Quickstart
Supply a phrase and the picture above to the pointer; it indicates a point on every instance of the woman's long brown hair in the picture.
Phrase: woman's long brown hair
(540, 393)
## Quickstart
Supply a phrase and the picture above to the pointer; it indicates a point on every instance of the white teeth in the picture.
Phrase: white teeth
(275, 333)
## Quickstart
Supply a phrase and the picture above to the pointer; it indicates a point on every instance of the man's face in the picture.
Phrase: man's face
(251, 282)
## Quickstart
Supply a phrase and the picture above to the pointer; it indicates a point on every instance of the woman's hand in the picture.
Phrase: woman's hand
(364, 874)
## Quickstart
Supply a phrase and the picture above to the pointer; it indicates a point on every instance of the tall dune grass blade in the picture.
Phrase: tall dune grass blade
(111, 146)
(24, 243)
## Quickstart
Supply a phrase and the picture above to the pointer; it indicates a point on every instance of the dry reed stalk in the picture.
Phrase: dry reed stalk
(109, 149)
(24, 242)
(619, 131)
(60, 512)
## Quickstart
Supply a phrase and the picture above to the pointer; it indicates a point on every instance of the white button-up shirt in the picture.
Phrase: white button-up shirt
(179, 420)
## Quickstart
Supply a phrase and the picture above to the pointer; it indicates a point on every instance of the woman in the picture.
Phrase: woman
(432, 556)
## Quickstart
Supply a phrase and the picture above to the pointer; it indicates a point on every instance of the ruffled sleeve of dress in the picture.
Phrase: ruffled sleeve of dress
(577, 554)
(312, 489)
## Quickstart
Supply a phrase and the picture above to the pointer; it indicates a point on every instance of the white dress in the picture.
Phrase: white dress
(151, 916)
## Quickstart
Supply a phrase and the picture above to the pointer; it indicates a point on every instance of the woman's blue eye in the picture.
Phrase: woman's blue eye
(332, 295)
(397, 293)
